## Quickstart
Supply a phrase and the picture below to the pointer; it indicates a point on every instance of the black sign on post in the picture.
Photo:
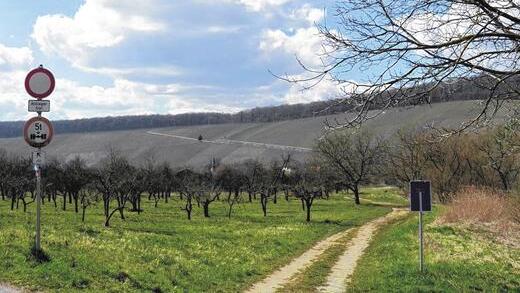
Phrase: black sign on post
(420, 201)
(420, 196)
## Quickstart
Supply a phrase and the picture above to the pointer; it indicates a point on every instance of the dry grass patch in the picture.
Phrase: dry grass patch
(486, 210)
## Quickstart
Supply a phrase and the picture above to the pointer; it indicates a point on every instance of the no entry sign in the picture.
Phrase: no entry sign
(38, 132)
(39, 83)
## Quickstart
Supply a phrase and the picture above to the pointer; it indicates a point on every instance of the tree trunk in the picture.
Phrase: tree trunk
(139, 204)
(83, 215)
(107, 222)
(206, 209)
(13, 199)
(356, 194)
(263, 201)
(308, 202)
(188, 208)
(65, 201)
(76, 203)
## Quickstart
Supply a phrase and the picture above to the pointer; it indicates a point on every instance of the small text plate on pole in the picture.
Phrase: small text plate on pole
(39, 105)
(38, 132)
(38, 158)
(420, 190)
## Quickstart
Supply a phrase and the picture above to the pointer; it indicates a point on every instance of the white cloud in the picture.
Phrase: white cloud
(306, 92)
(71, 100)
(308, 13)
(97, 24)
(13, 56)
(123, 72)
(304, 43)
(259, 5)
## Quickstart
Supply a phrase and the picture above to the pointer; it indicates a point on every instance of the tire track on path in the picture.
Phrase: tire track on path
(283, 275)
(342, 269)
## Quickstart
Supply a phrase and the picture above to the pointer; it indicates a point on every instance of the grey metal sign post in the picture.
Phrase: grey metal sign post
(420, 201)
(38, 131)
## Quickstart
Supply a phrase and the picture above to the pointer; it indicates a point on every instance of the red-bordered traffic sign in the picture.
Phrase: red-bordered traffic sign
(39, 83)
(38, 132)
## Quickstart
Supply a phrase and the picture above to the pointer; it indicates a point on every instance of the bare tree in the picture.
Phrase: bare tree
(407, 159)
(115, 180)
(308, 186)
(446, 162)
(75, 176)
(254, 173)
(269, 186)
(354, 155)
(501, 148)
(413, 48)
(189, 184)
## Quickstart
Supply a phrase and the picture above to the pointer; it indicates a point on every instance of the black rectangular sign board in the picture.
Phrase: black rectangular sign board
(420, 189)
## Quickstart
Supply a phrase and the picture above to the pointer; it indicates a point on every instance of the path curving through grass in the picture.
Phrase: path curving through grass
(345, 265)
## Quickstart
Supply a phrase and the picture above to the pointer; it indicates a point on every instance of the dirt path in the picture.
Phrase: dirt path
(283, 275)
(344, 267)
(8, 289)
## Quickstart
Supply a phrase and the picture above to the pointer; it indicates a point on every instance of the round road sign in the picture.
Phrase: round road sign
(38, 132)
(39, 83)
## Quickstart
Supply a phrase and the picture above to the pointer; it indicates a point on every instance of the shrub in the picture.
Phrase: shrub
(494, 211)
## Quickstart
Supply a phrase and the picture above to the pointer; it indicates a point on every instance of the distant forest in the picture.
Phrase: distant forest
(453, 92)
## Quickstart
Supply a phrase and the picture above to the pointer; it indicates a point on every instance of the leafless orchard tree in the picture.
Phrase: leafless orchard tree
(412, 48)
(308, 186)
(270, 184)
(354, 156)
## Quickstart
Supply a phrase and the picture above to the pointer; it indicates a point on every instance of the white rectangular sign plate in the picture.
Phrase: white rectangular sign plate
(39, 105)
(38, 158)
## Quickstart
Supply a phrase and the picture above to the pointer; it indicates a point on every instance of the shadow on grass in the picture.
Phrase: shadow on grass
(38, 256)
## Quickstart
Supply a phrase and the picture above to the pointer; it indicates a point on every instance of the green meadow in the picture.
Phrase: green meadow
(161, 251)
(456, 260)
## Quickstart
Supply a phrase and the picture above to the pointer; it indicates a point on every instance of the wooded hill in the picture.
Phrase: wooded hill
(457, 91)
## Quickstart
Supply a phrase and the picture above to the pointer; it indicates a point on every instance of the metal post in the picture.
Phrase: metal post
(421, 253)
(38, 205)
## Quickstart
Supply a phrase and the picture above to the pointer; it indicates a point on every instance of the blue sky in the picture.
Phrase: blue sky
(119, 57)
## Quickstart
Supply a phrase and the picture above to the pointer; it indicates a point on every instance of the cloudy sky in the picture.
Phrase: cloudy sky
(119, 57)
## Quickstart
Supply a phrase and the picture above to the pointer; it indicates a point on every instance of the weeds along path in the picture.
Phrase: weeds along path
(342, 270)
(283, 275)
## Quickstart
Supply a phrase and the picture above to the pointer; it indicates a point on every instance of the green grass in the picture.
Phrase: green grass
(380, 195)
(457, 260)
(161, 249)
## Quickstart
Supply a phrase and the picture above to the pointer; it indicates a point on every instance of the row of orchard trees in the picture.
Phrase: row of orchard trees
(341, 161)
(121, 186)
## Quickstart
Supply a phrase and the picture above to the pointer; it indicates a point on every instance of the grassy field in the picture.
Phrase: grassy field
(457, 260)
(161, 250)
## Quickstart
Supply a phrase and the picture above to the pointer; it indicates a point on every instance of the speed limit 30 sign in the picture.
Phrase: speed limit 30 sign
(38, 132)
